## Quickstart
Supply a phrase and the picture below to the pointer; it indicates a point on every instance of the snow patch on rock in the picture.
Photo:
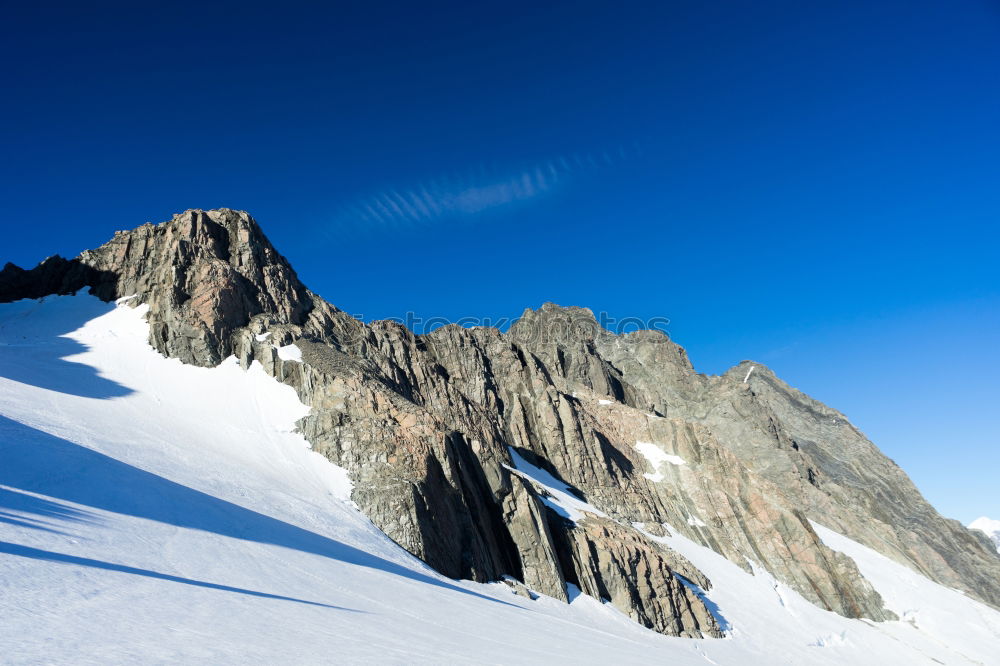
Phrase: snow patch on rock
(656, 456)
(556, 494)
(990, 527)
(290, 353)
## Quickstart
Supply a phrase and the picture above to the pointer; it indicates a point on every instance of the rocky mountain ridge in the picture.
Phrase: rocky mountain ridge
(430, 428)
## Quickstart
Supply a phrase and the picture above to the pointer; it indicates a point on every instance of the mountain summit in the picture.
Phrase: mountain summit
(556, 456)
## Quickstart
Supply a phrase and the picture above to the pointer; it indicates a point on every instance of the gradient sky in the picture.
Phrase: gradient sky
(815, 186)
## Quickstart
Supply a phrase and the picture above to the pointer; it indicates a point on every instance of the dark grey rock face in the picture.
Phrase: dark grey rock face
(425, 425)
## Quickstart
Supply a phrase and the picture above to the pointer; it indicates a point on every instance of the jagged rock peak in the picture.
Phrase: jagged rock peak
(204, 274)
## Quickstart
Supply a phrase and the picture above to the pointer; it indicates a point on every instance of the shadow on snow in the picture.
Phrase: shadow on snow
(36, 462)
(34, 346)
(713, 608)
(50, 556)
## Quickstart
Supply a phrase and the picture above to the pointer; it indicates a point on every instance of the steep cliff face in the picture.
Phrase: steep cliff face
(457, 440)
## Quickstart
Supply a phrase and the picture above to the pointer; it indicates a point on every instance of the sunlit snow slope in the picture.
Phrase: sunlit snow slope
(154, 512)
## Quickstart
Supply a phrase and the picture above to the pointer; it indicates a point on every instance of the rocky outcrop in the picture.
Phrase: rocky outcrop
(204, 275)
(619, 565)
(55, 275)
(425, 426)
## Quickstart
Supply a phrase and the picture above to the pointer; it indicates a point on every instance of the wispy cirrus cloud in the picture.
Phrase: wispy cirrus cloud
(472, 193)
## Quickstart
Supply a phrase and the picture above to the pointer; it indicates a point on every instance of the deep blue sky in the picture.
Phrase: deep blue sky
(812, 185)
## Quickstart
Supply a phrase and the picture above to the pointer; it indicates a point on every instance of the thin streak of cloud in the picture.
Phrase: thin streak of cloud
(480, 190)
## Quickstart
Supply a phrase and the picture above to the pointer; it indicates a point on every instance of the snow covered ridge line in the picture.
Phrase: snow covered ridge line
(989, 527)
